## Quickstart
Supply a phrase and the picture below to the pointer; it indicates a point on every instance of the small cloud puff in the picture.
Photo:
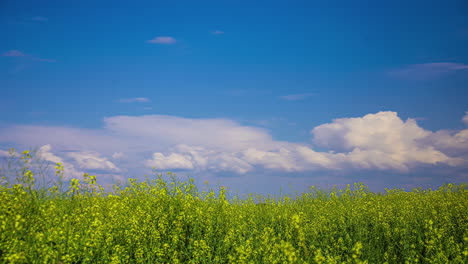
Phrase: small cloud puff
(217, 32)
(297, 97)
(134, 100)
(163, 40)
(465, 118)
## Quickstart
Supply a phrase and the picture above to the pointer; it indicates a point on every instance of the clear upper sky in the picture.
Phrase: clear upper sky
(256, 95)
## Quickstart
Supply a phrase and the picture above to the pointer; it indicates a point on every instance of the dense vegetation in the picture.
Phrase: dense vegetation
(170, 221)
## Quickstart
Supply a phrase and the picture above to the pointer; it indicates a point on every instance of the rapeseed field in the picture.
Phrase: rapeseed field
(169, 221)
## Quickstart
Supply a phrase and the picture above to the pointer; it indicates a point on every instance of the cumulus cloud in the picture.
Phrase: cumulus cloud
(287, 158)
(380, 141)
(92, 161)
(297, 97)
(427, 71)
(454, 143)
(172, 161)
(200, 159)
(382, 131)
(281, 159)
(163, 40)
(134, 100)
(71, 161)
(45, 153)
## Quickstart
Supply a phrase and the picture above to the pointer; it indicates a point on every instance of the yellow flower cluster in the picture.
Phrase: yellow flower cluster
(168, 221)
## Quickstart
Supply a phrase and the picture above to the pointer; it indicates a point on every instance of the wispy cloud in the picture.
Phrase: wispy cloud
(217, 32)
(134, 100)
(297, 97)
(14, 53)
(245, 92)
(19, 54)
(465, 118)
(163, 40)
(428, 71)
(39, 19)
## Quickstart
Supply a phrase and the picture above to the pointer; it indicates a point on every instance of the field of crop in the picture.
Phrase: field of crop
(171, 221)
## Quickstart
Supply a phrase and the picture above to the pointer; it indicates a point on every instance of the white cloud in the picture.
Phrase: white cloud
(297, 97)
(454, 143)
(118, 155)
(382, 131)
(46, 154)
(71, 161)
(92, 161)
(170, 131)
(163, 40)
(4, 153)
(380, 141)
(284, 159)
(319, 160)
(134, 100)
(200, 159)
(64, 138)
(465, 118)
(217, 32)
(172, 161)
(281, 159)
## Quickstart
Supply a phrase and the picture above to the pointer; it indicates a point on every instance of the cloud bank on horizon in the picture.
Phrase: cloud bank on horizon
(381, 141)
(299, 95)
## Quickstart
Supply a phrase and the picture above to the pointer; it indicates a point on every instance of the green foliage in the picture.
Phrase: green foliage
(160, 221)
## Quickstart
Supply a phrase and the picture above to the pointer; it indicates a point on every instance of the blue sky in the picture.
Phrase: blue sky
(257, 96)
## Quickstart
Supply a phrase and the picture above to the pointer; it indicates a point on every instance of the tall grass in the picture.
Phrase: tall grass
(161, 221)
